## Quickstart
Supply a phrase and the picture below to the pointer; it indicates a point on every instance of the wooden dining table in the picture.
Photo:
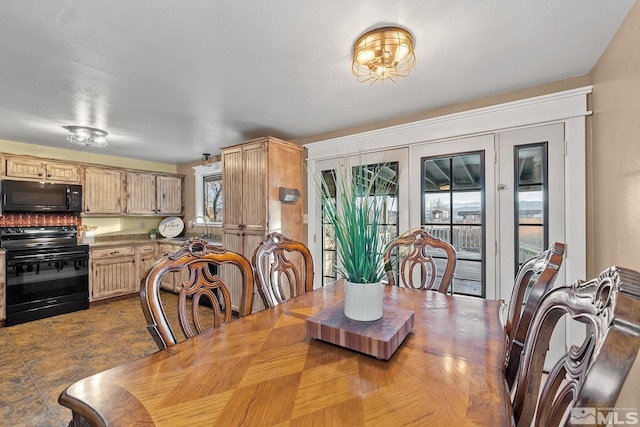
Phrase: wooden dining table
(263, 370)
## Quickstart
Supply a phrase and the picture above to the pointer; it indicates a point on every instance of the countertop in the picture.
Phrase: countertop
(136, 241)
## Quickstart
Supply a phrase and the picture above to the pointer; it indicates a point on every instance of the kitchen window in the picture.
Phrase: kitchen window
(208, 192)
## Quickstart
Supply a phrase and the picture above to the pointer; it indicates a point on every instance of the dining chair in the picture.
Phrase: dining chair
(535, 277)
(588, 376)
(416, 259)
(204, 291)
(283, 269)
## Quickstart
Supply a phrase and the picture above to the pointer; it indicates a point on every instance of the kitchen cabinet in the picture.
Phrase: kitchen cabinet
(153, 194)
(113, 272)
(146, 256)
(172, 281)
(41, 170)
(141, 193)
(169, 194)
(118, 270)
(252, 174)
(3, 292)
(102, 191)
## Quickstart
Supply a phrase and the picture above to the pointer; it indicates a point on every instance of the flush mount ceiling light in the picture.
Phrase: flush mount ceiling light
(383, 53)
(87, 136)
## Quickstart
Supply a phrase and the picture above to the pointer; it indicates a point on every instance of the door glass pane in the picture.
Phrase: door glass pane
(437, 208)
(467, 207)
(466, 172)
(455, 213)
(441, 232)
(467, 280)
(530, 204)
(531, 241)
(531, 165)
(437, 174)
(531, 209)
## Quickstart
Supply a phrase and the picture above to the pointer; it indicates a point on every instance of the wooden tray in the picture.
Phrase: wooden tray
(379, 338)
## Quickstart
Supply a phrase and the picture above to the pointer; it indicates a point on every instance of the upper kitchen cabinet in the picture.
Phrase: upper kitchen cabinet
(141, 193)
(41, 170)
(169, 194)
(153, 194)
(102, 191)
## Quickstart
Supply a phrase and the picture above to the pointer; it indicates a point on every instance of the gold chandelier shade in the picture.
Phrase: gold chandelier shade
(383, 53)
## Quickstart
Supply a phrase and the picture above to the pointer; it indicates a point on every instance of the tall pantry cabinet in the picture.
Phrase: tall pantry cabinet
(252, 174)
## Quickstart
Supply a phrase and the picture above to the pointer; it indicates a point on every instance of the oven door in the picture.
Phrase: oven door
(44, 284)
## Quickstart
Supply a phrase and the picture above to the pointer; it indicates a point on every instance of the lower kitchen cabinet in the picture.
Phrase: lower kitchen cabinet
(172, 281)
(113, 272)
(120, 269)
(146, 256)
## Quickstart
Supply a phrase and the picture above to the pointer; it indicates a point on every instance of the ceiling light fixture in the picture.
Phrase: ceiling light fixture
(383, 53)
(87, 136)
(206, 159)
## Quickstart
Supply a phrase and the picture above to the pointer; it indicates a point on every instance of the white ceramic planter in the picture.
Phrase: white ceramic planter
(363, 301)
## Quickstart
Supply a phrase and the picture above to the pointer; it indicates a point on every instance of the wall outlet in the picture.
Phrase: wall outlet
(142, 224)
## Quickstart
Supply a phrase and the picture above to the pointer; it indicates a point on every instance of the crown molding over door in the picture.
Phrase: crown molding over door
(554, 107)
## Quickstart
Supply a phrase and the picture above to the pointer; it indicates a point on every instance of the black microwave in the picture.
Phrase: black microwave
(39, 197)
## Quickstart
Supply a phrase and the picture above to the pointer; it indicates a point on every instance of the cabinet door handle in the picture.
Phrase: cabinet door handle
(40, 174)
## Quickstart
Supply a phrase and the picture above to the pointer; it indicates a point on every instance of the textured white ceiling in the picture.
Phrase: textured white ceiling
(170, 79)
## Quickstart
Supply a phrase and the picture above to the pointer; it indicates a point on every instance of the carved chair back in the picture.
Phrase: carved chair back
(418, 255)
(535, 277)
(589, 376)
(283, 269)
(203, 292)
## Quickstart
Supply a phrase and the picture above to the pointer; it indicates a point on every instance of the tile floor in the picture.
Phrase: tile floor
(39, 359)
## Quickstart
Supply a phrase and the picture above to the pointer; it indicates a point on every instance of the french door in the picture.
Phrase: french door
(395, 221)
(530, 197)
(497, 198)
(451, 198)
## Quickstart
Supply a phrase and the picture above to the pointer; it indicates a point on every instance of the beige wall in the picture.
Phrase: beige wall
(613, 153)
